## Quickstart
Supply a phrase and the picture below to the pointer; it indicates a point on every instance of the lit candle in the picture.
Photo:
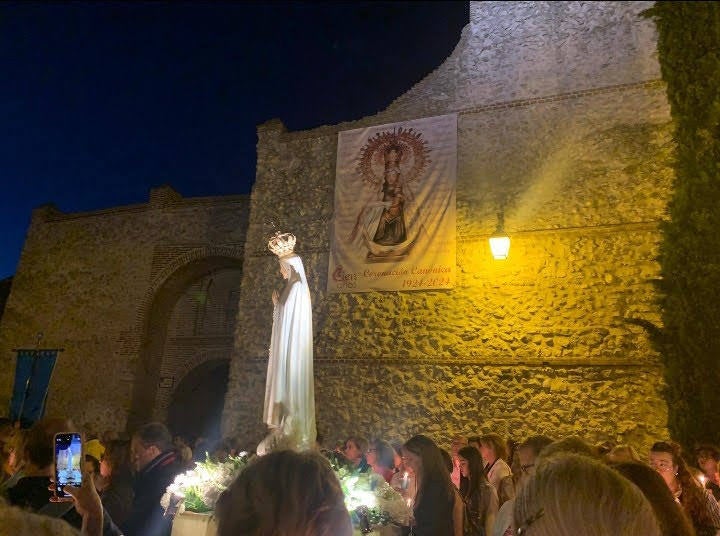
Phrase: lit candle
(405, 480)
(703, 479)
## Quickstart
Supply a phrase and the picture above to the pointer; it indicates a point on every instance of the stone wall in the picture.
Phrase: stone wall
(562, 120)
(90, 282)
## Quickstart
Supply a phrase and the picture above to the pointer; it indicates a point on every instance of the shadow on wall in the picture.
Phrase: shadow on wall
(197, 403)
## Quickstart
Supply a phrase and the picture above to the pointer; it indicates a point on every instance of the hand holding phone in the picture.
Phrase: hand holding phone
(68, 462)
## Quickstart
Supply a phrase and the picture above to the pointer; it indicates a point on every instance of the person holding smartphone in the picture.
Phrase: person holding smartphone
(31, 492)
(36, 490)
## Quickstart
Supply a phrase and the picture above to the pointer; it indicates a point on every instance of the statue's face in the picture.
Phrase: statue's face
(392, 157)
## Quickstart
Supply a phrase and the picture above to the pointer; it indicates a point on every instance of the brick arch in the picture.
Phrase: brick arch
(154, 313)
(178, 263)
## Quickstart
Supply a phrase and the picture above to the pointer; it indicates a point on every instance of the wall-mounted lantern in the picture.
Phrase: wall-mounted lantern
(500, 241)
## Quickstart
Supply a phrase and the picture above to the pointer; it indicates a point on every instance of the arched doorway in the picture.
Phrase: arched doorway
(197, 403)
(191, 321)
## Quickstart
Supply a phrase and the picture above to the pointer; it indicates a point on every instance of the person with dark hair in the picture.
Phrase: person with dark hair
(284, 493)
(354, 450)
(116, 490)
(479, 496)
(155, 464)
(708, 461)
(436, 501)
(381, 458)
(449, 464)
(456, 444)
(671, 517)
(31, 491)
(702, 508)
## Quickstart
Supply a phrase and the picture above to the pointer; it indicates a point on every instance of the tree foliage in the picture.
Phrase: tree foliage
(689, 54)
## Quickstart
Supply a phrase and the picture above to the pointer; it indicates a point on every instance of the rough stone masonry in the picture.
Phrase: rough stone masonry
(562, 118)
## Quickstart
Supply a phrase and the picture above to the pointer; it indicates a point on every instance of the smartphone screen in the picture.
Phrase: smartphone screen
(68, 461)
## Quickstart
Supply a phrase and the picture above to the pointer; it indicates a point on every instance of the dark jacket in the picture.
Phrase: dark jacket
(117, 498)
(434, 511)
(146, 515)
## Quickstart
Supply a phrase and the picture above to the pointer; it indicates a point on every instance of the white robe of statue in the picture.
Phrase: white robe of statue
(289, 408)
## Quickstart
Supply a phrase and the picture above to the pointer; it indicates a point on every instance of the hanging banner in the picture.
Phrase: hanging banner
(394, 224)
(33, 371)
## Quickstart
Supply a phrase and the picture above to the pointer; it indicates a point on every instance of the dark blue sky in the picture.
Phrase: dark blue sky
(101, 101)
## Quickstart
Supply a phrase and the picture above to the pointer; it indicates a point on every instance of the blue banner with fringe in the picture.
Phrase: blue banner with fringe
(33, 372)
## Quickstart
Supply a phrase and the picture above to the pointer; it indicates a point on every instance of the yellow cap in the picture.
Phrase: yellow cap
(94, 448)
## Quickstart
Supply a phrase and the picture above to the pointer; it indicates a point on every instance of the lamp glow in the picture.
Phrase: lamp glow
(500, 241)
(500, 246)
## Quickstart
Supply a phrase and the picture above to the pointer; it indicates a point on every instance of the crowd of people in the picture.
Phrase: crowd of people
(481, 486)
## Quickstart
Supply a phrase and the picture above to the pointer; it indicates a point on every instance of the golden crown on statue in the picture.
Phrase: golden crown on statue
(282, 244)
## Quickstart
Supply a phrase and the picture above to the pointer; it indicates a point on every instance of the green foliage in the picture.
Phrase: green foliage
(689, 53)
(199, 488)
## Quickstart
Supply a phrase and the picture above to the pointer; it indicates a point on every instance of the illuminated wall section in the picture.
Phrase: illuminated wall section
(564, 125)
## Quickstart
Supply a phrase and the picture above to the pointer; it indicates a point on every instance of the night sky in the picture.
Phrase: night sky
(99, 102)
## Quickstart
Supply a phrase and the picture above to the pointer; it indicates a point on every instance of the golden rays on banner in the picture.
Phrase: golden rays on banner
(394, 225)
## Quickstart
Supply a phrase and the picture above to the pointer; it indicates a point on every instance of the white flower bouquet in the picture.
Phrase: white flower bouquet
(371, 501)
(198, 490)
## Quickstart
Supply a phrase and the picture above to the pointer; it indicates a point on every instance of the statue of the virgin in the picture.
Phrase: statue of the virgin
(289, 408)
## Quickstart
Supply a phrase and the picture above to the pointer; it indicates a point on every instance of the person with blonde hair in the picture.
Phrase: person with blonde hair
(573, 495)
(478, 495)
(284, 493)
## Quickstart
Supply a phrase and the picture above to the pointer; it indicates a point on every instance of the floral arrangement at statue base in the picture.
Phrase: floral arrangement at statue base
(190, 500)
(198, 490)
(372, 503)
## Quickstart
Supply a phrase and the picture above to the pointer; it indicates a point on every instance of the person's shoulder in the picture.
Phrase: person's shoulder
(503, 468)
(28, 490)
(17, 521)
(171, 469)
